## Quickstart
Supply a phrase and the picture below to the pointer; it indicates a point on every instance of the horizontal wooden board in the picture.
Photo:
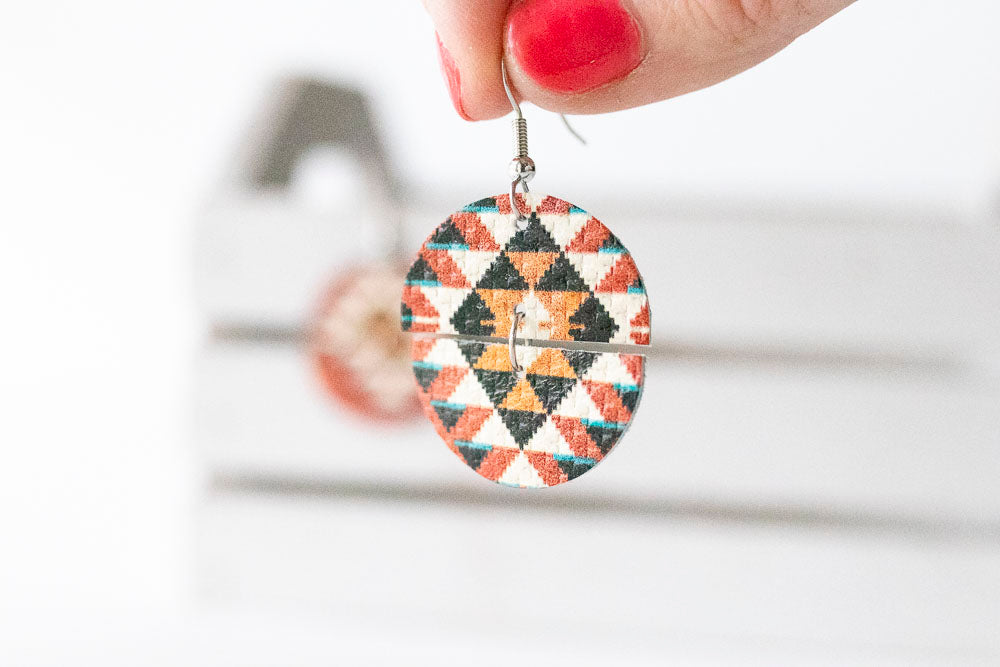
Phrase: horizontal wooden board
(808, 278)
(801, 437)
(594, 584)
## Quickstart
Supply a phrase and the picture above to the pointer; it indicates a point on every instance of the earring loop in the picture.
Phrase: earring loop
(511, 348)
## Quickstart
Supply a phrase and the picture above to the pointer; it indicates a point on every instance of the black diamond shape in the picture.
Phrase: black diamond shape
(471, 315)
(522, 424)
(532, 238)
(561, 277)
(598, 325)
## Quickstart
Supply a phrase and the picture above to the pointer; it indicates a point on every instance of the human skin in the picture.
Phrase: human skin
(595, 56)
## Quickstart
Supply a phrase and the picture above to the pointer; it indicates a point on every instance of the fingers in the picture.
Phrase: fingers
(593, 56)
(470, 45)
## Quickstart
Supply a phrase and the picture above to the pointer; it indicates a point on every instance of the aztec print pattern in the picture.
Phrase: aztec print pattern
(551, 425)
(574, 278)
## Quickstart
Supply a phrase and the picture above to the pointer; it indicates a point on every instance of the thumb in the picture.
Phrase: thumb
(593, 56)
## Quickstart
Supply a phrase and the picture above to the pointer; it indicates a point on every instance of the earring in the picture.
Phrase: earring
(530, 266)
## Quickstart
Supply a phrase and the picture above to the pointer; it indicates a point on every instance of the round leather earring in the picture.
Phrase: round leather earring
(530, 266)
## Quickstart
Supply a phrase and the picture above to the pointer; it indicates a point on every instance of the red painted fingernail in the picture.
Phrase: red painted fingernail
(573, 45)
(451, 77)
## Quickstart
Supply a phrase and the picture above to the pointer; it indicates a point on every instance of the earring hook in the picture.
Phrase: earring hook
(517, 107)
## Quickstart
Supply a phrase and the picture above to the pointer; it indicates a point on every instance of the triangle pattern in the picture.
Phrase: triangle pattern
(471, 350)
(592, 266)
(502, 275)
(522, 397)
(533, 238)
(425, 375)
(521, 473)
(562, 277)
(470, 392)
(579, 361)
(551, 362)
(590, 238)
(578, 404)
(494, 432)
(550, 391)
(421, 273)
(531, 265)
(477, 236)
(573, 467)
(496, 384)
(594, 324)
(604, 438)
(447, 234)
(621, 276)
(522, 424)
(473, 263)
(474, 317)
(448, 414)
(473, 455)
(548, 439)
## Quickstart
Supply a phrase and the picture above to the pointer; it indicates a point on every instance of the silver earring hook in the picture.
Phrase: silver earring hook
(517, 107)
(522, 167)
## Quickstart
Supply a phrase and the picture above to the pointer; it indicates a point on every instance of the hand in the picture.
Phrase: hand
(593, 56)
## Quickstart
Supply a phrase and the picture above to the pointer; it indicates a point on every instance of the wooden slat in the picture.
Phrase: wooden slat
(897, 443)
(606, 581)
(801, 281)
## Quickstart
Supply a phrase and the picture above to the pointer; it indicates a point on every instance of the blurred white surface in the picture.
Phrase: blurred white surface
(117, 118)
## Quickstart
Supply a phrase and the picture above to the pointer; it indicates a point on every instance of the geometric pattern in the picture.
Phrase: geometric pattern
(542, 428)
(360, 356)
(573, 277)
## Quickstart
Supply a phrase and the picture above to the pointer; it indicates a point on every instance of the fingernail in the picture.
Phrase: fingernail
(451, 77)
(571, 46)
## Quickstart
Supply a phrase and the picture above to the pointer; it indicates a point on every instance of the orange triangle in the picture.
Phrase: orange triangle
(532, 265)
(522, 397)
(551, 362)
(561, 306)
(495, 358)
(501, 302)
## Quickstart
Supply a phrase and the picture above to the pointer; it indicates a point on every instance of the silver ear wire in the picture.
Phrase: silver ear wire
(522, 167)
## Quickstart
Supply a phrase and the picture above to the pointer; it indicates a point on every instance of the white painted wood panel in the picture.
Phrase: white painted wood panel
(895, 442)
(596, 583)
(841, 280)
